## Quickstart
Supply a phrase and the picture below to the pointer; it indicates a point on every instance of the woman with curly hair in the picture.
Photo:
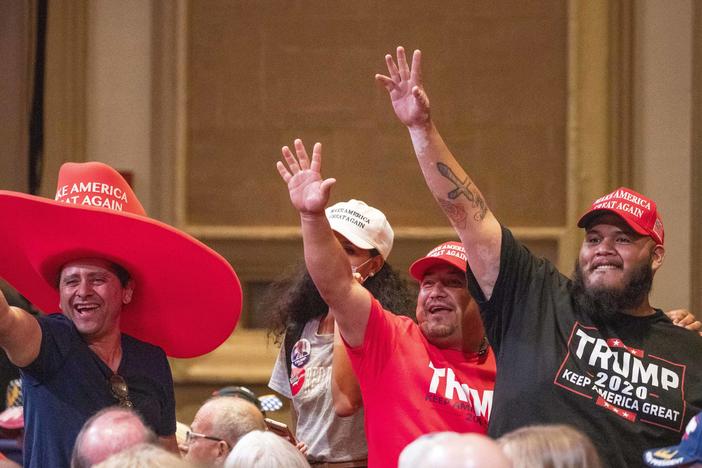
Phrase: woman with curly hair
(305, 327)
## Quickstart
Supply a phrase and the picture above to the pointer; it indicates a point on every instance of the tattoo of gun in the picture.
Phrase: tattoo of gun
(463, 188)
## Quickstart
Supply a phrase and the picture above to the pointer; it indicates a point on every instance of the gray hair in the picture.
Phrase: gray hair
(554, 445)
(259, 449)
(234, 417)
(144, 456)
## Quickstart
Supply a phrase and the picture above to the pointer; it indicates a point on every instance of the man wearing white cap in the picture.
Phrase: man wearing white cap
(591, 352)
(436, 375)
(121, 291)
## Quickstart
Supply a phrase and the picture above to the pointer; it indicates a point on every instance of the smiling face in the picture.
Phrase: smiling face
(445, 309)
(92, 296)
(612, 252)
(614, 259)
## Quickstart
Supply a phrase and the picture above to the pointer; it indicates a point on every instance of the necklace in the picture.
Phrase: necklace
(482, 351)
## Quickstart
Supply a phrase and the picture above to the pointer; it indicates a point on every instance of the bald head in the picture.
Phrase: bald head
(233, 417)
(109, 431)
(453, 450)
(227, 418)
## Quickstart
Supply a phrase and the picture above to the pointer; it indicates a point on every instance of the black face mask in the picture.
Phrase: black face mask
(604, 304)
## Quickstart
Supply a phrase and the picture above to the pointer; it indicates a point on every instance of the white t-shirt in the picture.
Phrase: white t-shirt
(329, 438)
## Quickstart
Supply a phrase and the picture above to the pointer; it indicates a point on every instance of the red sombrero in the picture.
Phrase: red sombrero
(187, 298)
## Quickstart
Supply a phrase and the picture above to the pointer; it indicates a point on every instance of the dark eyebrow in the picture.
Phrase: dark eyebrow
(92, 275)
(100, 274)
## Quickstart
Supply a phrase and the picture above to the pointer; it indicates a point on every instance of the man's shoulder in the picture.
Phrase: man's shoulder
(518, 260)
(139, 347)
(401, 322)
(56, 324)
(378, 309)
(677, 335)
(677, 339)
(55, 319)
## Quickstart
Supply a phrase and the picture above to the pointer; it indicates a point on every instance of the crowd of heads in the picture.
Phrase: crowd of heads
(228, 429)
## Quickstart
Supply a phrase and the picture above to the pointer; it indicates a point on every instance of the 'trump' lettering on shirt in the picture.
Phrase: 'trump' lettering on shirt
(626, 381)
(445, 389)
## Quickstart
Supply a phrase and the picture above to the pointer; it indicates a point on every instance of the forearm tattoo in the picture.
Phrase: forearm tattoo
(462, 188)
(455, 212)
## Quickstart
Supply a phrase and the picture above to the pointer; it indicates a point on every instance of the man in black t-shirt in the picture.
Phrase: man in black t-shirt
(589, 351)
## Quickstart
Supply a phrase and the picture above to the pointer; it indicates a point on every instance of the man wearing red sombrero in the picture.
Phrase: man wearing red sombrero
(589, 351)
(121, 292)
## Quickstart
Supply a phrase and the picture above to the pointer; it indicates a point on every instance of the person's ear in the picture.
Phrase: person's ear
(128, 292)
(376, 264)
(657, 257)
(222, 448)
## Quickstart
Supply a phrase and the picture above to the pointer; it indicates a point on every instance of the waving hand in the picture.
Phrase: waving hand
(308, 192)
(404, 85)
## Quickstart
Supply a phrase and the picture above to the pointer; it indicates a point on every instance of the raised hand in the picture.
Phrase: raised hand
(309, 193)
(409, 100)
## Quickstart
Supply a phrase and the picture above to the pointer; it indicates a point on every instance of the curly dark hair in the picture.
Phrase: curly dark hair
(293, 300)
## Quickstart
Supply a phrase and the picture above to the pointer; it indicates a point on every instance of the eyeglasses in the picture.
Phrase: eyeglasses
(191, 436)
(120, 390)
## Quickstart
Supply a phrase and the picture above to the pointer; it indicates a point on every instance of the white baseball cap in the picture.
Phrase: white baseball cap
(364, 226)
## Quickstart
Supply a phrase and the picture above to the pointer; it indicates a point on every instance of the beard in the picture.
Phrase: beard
(437, 330)
(603, 303)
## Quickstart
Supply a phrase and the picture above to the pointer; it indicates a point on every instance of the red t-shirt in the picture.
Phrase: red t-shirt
(410, 387)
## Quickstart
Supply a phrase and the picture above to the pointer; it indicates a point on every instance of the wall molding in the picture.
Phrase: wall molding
(264, 233)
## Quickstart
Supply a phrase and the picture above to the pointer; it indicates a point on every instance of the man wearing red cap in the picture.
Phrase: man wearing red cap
(436, 375)
(591, 352)
(115, 285)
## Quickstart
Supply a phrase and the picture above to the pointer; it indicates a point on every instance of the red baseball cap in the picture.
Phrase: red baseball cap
(638, 211)
(449, 253)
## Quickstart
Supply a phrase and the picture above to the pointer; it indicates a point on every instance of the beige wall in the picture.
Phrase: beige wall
(16, 44)
(167, 98)
(662, 135)
(118, 88)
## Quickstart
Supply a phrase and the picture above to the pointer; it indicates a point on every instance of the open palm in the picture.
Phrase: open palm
(309, 193)
(404, 85)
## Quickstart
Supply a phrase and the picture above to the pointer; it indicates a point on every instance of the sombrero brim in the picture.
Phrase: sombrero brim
(187, 297)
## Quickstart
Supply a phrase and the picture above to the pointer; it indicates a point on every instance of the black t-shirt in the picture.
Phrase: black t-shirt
(68, 383)
(630, 385)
